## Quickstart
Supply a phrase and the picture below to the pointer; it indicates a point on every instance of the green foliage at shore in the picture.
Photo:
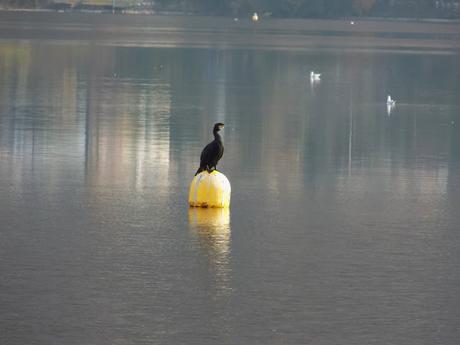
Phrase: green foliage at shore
(275, 8)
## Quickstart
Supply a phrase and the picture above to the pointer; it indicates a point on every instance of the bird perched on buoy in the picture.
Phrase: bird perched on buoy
(255, 17)
(209, 187)
(212, 152)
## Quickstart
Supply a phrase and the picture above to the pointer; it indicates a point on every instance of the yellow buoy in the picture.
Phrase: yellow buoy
(210, 190)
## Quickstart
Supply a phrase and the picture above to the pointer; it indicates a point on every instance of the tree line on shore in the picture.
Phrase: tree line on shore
(318, 8)
(274, 8)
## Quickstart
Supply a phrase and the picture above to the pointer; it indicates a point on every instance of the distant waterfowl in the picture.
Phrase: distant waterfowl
(390, 105)
(352, 23)
(389, 109)
(255, 17)
(315, 76)
(212, 152)
(390, 102)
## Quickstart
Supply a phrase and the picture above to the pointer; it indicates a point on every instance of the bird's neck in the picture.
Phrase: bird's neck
(217, 136)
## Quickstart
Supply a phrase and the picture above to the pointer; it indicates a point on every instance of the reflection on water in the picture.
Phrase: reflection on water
(134, 134)
(133, 122)
(211, 229)
(343, 222)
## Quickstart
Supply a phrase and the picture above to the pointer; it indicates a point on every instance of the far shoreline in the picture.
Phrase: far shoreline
(188, 15)
(226, 32)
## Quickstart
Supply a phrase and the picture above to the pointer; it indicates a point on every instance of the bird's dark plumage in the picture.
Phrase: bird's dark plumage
(212, 152)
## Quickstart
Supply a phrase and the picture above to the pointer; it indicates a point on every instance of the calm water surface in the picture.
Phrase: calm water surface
(344, 224)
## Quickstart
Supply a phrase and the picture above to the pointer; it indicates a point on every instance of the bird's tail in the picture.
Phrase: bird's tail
(200, 169)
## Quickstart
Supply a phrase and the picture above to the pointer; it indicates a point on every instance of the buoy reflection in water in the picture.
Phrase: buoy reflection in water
(212, 226)
(211, 229)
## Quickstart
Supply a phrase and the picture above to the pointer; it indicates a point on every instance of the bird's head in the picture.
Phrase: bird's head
(218, 126)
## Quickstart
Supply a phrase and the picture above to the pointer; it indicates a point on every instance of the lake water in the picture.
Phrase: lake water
(344, 226)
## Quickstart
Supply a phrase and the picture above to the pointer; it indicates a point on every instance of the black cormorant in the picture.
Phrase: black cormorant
(212, 152)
